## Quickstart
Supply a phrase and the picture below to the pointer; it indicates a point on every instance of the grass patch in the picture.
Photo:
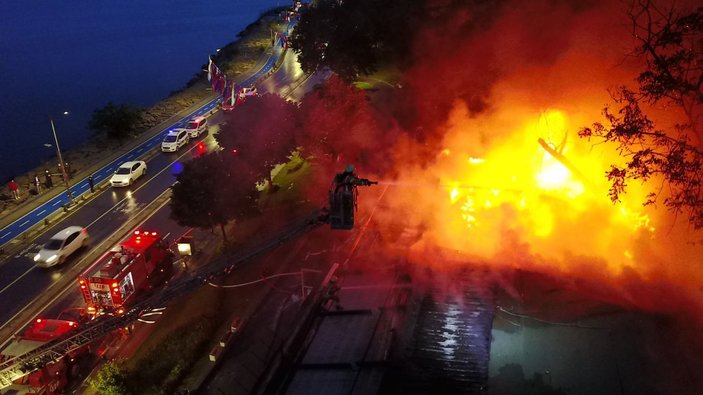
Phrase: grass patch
(164, 365)
(285, 178)
(363, 85)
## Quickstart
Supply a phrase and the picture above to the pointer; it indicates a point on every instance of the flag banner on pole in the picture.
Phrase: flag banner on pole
(209, 69)
(221, 83)
(215, 76)
(225, 90)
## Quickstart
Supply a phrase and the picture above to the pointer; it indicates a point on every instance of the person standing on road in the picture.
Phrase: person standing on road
(37, 183)
(14, 189)
(47, 178)
(91, 184)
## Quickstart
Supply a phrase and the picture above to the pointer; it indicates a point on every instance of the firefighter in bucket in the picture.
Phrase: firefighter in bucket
(342, 198)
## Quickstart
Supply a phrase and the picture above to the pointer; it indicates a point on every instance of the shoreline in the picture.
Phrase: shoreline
(235, 59)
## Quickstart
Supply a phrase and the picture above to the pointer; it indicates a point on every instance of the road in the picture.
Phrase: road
(21, 282)
(81, 187)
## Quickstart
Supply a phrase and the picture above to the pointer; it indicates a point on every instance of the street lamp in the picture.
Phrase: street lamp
(62, 165)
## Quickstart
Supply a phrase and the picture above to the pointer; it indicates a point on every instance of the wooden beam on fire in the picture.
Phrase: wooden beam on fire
(564, 161)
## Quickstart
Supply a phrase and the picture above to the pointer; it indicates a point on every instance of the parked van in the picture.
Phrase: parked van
(174, 140)
(196, 126)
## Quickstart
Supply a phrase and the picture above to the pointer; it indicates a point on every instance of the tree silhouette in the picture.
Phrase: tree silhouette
(344, 36)
(116, 121)
(213, 190)
(338, 124)
(260, 132)
(671, 44)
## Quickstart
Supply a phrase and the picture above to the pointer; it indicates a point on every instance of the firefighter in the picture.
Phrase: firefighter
(342, 198)
(348, 178)
(345, 177)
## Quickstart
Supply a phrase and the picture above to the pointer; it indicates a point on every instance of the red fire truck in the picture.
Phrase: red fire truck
(53, 377)
(141, 262)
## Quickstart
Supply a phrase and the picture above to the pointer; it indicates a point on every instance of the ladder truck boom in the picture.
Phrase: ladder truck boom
(17, 367)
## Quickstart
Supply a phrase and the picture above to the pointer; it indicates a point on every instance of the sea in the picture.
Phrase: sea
(61, 60)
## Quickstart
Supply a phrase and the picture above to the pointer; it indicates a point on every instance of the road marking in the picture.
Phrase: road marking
(16, 280)
(69, 286)
(26, 250)
(212, 103)
(41, 212)
(24, 223)
(118, 204)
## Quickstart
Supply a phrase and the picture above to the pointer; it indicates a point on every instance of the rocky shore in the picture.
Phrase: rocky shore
(235, 59)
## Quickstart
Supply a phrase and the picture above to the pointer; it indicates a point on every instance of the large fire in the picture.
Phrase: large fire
(539, 183)
(511, 184)
(517, 188)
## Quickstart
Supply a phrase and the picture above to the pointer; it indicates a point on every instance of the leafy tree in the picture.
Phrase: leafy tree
(213, 190)
(261, 132)
(671, 45)
(116, 121)
(339, 123)
(344, 36)
(111, 380)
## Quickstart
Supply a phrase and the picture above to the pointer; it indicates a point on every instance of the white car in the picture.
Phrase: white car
(127, 173)
(174, 140)
(196, 126)
(61, 245)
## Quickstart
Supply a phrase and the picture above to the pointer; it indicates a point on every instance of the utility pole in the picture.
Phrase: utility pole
(62, 165)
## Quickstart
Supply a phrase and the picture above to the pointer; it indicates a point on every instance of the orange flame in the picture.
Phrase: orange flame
(533, 195)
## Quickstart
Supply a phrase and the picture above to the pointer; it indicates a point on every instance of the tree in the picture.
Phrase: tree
(213, 190)
(343, 36)
(671, 45)
(111, 380)
(338, 123)
(261, 132)
(116, 121)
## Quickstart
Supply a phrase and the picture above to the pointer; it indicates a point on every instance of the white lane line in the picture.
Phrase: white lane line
(17, 279)
(41, 212)
(211, 103)
(24, 223)
(68, 287)
(6, 234)
(140, 187)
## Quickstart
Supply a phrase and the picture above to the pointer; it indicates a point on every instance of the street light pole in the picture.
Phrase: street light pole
(62, 165)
